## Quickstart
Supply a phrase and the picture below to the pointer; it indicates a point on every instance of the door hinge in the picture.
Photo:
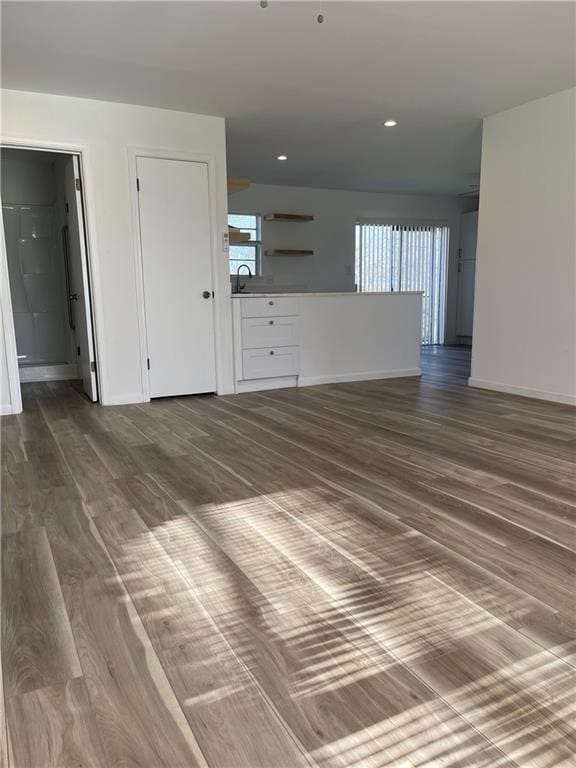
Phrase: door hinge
(78, 185)
(67, 208)
(92, 366)
(138, 185)
(148, 363)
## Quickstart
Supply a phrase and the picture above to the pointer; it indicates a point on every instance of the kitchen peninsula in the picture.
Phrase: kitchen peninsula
(300, 339)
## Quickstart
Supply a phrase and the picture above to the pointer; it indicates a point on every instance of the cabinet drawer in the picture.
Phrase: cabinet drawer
(269, 332)
(267, 307)
(269, 363)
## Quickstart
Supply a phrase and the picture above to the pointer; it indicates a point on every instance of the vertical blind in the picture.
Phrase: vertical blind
(406, 257)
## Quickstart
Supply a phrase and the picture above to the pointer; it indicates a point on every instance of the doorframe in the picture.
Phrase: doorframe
(134, 152)
(9, 331)
(95, 302)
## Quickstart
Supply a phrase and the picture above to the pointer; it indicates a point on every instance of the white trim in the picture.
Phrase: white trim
(40, 145)
(58, 372)
(221, 295)
(129, 399)
(259, 385)
(308, 381)
(8, 329)
(511, 389)
(6, 410)
(281, 382)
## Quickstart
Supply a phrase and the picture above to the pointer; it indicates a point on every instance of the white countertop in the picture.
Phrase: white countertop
(324, 293)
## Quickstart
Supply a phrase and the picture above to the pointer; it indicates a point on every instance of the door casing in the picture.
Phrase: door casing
(160, 154)
(95, 298)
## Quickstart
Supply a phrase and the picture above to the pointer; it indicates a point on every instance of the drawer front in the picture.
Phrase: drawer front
(269, 363)
(269, 332)
(268, 307)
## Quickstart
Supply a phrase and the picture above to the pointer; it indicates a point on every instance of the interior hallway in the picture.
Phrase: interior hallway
(367, 574)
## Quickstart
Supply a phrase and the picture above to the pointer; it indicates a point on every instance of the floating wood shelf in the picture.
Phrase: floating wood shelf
(288, 252)
(237, 236)
(236, 185)
(288, 217)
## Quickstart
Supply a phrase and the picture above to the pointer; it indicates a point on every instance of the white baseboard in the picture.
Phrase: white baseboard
(510, 389)
(62, 372)
(6, 410)
(130, 399)
(260, 385)
(307, 381)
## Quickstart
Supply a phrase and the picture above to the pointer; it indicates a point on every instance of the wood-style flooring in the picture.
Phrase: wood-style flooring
(367, 575)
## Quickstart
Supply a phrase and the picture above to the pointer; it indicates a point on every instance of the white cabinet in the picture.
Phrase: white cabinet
(269, 307)
(267, 341)
(260, 332)
(298, 340)
(270, 363)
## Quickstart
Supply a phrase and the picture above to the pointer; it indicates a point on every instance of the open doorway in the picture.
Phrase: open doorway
(44, 230)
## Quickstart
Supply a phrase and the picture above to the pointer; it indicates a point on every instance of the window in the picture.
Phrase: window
(247, 252)
(406, 257)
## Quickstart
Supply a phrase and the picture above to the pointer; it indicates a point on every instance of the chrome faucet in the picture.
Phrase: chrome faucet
(239, 287)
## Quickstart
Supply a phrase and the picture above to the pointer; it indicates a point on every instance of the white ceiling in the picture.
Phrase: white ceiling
(314, 92)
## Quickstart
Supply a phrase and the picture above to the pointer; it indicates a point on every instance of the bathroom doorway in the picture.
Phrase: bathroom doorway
(46, 249)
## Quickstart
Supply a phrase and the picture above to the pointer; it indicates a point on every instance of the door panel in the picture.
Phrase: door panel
(468, 235)
(174, 210)
(466, 273)
(465, 312)
(79, 278)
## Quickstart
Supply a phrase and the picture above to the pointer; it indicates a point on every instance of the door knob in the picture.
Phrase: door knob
(206, 294)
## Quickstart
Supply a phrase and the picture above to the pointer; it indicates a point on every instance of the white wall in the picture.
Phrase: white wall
(331, 234)
(525, 304)
(106, 131)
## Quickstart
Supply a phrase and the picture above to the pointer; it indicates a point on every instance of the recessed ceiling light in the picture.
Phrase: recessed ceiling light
(390, 123)
(282, 157)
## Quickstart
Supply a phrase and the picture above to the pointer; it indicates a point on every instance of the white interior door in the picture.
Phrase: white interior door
(79, 280)
(466, 273)
(174, 207)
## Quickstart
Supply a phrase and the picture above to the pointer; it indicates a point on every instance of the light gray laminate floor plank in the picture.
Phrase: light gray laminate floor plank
(375, 574)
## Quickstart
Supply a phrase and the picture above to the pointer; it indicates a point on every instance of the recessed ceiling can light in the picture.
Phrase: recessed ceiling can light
(389, 123)
(282, 157)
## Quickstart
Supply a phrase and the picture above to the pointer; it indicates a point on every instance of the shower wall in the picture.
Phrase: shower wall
(32, 208)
